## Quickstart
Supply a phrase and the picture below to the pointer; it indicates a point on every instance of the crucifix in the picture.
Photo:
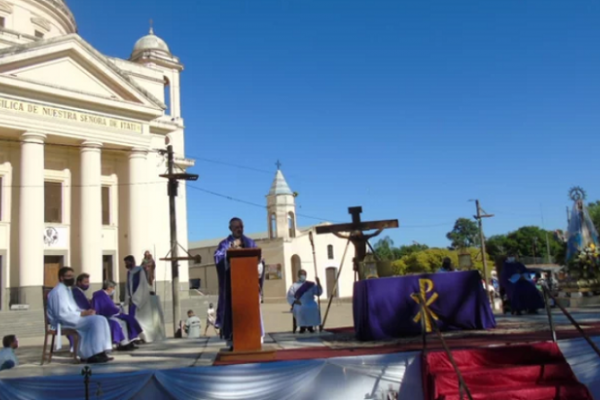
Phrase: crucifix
(356, 235)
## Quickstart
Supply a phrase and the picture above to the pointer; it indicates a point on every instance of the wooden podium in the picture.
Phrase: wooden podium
(245, 308)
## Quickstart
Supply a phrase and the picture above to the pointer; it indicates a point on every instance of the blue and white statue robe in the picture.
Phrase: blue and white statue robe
(581, 232)
(124, 328)
(224, 314)
(144, 307)
(307, 313)
(93, 330)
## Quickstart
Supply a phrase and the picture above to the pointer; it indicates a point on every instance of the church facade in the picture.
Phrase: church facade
(79, 160)
(286, 249)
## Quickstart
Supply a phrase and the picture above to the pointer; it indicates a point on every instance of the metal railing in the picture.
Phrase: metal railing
(547, 295)
(426, 316)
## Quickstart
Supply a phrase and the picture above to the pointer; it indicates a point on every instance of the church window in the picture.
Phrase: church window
(105, 205)
(2, 22)
(53, 202)
(330, 252)
(167, 96)
(291, 225)
(39, 35)
(273, 226)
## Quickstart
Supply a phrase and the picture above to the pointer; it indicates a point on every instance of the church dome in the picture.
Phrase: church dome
(150, 42)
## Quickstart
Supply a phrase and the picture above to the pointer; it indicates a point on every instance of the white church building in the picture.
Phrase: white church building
(286, 249)
(79, 166)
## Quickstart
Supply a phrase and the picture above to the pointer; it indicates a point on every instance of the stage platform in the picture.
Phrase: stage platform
(305, 353)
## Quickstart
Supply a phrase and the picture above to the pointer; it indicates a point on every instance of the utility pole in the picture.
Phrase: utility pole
(172, 187)
(548, 255)
(479, 218)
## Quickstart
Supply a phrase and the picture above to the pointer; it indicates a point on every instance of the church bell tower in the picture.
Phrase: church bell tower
(281, 208)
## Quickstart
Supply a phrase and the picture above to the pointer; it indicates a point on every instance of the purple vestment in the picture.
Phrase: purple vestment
(104, 305)
(82, 302)
(306, 286)
(224, 315)
(523, 295)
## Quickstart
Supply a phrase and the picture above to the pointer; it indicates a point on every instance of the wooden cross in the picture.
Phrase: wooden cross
(356, 234)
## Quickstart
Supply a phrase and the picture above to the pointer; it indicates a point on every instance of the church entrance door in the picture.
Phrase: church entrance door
(330, 274)
(51, 266)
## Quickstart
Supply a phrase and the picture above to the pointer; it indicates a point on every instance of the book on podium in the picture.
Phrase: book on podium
(245, 307)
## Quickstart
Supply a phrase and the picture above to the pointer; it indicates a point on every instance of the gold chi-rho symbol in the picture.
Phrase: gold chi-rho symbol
(425, 286)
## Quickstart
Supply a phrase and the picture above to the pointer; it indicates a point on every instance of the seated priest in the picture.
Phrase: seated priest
(93, 330)
(236, 240)
(301, 297)
(124, 328)
(81, 285)
(144, 306)
(520, 290)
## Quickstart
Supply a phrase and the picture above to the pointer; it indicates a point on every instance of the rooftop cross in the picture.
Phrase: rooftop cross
(151, 27)
(278, 164)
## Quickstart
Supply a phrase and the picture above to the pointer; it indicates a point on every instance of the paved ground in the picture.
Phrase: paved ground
(176, 353)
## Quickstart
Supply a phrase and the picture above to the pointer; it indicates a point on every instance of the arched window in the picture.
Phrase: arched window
(330, 252)
(272, 226)
(296, 267)
(167, 96)
(291, 224)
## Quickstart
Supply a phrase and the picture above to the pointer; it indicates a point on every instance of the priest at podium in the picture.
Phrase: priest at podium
(236, 240)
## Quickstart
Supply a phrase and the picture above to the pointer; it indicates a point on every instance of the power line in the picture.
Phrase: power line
(250, 203)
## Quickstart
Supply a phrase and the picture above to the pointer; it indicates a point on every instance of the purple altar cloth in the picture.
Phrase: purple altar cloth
(383, 308)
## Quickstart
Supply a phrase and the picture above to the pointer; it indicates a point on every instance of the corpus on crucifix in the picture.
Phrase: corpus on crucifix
(356, 233)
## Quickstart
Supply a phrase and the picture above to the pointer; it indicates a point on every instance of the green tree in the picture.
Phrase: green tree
(385, 250)
(527, 241)
(464, 234)
(430, 260)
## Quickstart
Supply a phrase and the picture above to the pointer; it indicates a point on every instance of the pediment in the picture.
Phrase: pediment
(72, 64)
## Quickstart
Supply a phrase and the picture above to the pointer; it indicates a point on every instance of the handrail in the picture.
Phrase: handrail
(569, 316)
(426, 316)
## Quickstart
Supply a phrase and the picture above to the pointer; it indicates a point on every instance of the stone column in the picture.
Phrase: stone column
(91, 212)
(138, 204)
(31, 219)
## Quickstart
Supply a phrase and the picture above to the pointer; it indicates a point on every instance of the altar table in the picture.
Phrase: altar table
(384, 309)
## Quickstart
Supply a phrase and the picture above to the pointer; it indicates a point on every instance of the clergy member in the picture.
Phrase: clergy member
(143, 306)
(236, 240)
(301, 297)
(93, 330)
(124, 328)
(522, 294)
(81, 286)
(446, 265)
(8, 359)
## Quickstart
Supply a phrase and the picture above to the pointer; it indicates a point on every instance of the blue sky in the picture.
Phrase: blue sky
(407, 108)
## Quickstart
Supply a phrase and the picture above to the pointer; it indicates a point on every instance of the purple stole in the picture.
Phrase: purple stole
(82, 302)
(103, 304)
(306, 286)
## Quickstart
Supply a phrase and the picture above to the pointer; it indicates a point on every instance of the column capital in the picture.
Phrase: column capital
(33, 137)
(138, 152)
(90, 145)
